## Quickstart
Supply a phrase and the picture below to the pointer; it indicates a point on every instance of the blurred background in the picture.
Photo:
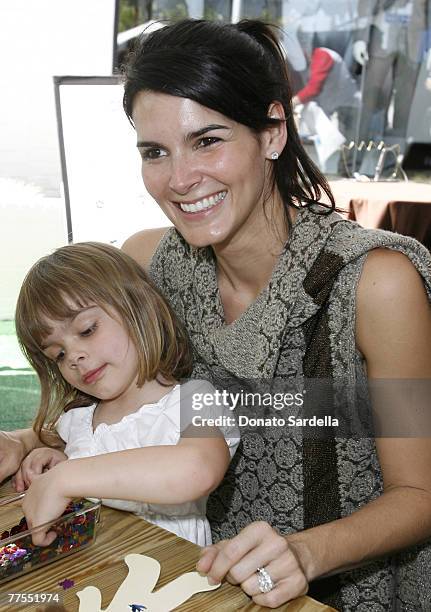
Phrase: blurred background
(69, 171)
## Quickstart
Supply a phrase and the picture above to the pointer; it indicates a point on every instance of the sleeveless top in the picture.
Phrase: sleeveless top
(301, 325)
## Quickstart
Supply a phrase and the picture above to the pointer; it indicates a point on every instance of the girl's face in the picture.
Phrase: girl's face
(94, 353)
(208, 173)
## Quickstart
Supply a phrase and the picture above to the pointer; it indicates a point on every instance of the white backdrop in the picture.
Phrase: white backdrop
(108, 200)
(39, 39)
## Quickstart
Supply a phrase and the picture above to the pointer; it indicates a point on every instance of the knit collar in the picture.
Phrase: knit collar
(282, 305)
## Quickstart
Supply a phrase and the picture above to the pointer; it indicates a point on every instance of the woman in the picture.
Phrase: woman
(272, 286)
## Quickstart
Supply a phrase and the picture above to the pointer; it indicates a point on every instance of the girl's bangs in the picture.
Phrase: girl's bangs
(53, 306)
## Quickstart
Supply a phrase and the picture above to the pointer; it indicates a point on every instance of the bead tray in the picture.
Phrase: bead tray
(76, 529)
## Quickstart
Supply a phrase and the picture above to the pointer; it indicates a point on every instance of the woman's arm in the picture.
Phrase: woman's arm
(158, 474)
(393, 332)
(14, 446)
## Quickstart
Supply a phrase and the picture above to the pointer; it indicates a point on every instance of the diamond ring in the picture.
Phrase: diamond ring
(264, 580)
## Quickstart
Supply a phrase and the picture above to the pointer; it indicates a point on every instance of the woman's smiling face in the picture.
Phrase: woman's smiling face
(208, 173)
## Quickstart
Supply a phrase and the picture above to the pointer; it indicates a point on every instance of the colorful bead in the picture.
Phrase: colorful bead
(72, 534)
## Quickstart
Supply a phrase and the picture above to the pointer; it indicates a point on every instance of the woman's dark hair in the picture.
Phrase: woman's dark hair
(237, 70)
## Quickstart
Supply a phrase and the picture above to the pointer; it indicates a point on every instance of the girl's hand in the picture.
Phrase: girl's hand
(38, 461)
(44, 501)
(258, 545)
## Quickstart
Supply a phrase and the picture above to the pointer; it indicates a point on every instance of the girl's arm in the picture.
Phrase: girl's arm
(394, 334)
(158, 474)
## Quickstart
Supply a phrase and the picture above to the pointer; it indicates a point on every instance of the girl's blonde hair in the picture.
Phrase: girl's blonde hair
(94, 273)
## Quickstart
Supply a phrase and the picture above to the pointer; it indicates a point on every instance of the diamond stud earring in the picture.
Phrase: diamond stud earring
(274, 155)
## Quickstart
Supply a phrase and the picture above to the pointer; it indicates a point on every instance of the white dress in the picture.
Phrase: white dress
(151, 425)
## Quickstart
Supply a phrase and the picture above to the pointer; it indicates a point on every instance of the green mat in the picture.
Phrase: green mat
(19, 387)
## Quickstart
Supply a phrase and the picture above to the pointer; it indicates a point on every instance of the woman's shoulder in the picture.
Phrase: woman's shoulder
(390, 276)
(393, 315)
(142, 245)
(351, 239)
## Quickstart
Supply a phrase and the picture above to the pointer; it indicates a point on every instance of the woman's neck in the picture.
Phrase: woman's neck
(246, 264)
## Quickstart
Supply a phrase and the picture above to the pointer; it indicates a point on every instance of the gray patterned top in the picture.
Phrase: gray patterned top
(301, 325)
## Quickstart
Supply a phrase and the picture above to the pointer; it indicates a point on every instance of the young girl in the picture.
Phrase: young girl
(109, 351)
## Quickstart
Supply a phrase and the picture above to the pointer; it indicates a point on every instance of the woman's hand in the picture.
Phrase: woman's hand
(45, 501)
(15, 445)
(258, 545)
(37, 462)
(12, 452)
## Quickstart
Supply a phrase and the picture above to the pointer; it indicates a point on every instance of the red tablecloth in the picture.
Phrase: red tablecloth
(402, 207)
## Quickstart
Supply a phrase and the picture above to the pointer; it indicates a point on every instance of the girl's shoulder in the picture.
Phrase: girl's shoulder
(196, 385)
(73, 419)
(187, 400)
(186, 395)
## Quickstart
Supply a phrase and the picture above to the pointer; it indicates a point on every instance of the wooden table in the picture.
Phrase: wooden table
(402, 207)
(102, 565)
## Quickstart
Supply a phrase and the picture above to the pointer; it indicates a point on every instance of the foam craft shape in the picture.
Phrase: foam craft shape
(137, 589)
